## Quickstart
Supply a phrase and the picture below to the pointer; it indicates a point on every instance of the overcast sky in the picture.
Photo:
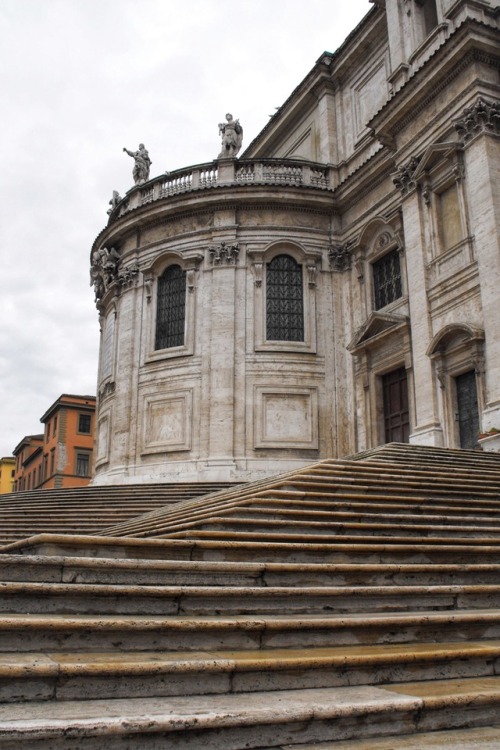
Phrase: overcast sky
(80, 79)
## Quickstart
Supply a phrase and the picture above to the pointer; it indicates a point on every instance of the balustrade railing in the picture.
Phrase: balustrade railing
(285, 172)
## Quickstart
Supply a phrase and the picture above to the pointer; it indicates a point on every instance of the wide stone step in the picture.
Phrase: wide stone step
(134, 599)
(75, 598)
(84, 675)
(199, 573)
(344, 535)
(419, 515)
(342, 550)
(232, 525)
(307, 510)
(267, 719)
(482, 738)
(29, 632)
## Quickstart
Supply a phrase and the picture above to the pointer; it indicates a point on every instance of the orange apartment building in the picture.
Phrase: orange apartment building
(63, 455)
(28, 455)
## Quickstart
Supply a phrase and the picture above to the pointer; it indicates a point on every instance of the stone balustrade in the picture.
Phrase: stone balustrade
(225, 172)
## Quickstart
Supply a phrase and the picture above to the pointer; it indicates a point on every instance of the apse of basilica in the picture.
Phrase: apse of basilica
(332, 286)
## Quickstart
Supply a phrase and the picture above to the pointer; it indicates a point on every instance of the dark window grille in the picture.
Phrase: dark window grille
(387, 279)
(171, 308)
(284, 300)
(84, 423)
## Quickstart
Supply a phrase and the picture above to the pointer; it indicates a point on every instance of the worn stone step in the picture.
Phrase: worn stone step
(83, 675)
(330, 498)
(31, 632)
(342, 550)
(194, 573)
(481, 738)
(233, 525)
(264, 719)
(444, 515)
(390, 536)
(306, 509)
(85, 598)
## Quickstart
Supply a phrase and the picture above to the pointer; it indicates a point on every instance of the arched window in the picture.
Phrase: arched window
(284, 300)
(171, 308)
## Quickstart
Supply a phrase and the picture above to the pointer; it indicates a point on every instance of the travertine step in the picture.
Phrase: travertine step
(89, 509)
(53, 569)
(84, 675)
(305, 512)
(242, 599)
(211, 600)
(269, 527)
(26, 632)
(482, 738)
(342, 550)
(269, 719)
(339, 510)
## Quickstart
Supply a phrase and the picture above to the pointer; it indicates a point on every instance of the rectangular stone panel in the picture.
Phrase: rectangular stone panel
(103, 432)
(167, 422)
(286, 418)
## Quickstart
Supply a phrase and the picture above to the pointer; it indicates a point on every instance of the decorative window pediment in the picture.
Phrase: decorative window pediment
(375, 328)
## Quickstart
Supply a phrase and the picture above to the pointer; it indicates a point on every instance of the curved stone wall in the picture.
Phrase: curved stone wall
(228, 403)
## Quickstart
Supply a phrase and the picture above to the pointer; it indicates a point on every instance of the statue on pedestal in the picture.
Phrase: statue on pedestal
(142, 164)
(232, 137)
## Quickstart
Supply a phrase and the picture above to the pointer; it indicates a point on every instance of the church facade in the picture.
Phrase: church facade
(333, 287)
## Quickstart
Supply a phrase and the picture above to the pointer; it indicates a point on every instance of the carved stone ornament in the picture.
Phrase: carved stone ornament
(403, 178)
(483, 116)
(127, 276)
(148, 285)
(224, 254)
(107, 390)
(103, 270)
(258, 269)
(340, 257)
(312, 271)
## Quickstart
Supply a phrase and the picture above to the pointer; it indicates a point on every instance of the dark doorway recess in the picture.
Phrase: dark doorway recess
(467, 409)
(396, 414)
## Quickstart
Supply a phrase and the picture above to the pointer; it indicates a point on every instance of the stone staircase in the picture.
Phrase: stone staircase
(351, 605)
(86, 510)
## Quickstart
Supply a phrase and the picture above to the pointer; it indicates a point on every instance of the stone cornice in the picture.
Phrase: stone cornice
(464, 46)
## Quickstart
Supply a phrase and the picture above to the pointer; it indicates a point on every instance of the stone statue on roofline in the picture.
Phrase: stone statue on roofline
(142, 163)
(232, 137)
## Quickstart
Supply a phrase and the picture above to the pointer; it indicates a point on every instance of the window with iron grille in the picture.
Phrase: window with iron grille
(387, 279)
(171, 308)
(284, 300)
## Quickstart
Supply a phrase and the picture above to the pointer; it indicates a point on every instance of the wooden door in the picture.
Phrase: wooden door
(396, 413)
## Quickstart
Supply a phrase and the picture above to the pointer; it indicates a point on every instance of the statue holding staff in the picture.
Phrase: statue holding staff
(142, 163)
